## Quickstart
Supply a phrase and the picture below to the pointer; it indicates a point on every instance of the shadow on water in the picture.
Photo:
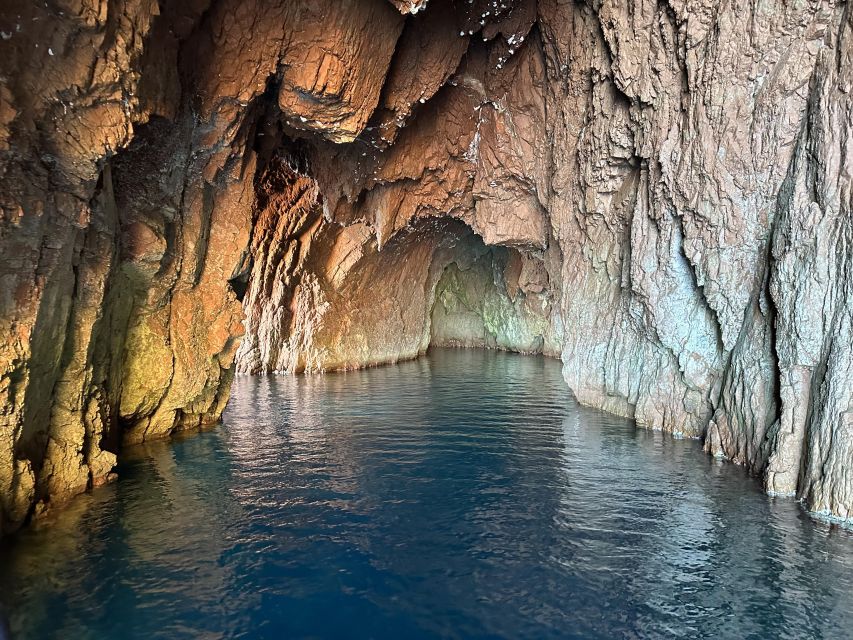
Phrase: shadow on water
(462, 495)
(5, 632)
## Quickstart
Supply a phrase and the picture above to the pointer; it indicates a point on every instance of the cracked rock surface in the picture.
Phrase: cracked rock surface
(658, 192)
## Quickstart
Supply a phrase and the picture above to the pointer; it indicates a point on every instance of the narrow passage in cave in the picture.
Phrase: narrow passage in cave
(494, 298)
(321, 296)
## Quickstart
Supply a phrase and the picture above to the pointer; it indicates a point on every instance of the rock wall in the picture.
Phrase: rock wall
(659, 192)
(708, 322)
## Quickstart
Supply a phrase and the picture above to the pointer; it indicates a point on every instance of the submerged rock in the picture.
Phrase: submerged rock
(658, 193)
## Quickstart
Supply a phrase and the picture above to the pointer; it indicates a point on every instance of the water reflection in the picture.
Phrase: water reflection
(462, 495)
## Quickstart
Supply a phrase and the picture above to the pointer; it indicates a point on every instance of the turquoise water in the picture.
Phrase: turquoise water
(463, 495)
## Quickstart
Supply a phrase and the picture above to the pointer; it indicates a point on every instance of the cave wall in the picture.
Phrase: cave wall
(709, 316)
(673, 179)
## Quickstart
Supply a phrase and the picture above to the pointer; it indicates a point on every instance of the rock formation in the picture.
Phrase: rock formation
(659, 193)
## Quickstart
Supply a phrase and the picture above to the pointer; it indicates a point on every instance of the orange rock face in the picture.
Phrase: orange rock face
(623, 185)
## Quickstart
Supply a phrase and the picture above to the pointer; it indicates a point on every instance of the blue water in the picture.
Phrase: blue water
(463, 495)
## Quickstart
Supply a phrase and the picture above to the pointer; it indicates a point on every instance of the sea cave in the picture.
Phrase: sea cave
(426, 318)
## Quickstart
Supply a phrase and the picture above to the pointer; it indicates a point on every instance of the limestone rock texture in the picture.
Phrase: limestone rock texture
(660, 193)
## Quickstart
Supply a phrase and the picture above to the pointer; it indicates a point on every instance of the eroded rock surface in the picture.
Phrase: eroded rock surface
(657, 192)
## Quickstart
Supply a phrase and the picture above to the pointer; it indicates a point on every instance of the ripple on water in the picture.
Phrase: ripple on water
(460, 495)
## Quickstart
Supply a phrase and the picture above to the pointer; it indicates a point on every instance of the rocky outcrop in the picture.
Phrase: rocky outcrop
(657, 192)
(809, 287)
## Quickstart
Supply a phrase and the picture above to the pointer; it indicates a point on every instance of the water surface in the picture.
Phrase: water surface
(463, 495)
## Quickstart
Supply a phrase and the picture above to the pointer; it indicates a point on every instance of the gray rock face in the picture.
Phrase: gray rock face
(659, 193)
(810, 286)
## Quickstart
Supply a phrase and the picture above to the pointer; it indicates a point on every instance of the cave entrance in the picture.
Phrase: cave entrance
(491, 297)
